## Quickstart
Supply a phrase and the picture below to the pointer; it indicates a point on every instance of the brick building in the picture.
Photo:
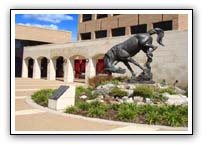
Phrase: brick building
(95, 26)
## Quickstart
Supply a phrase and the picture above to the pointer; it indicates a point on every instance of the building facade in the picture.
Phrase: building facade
(32, 36)
(84, 59)
(96, 26)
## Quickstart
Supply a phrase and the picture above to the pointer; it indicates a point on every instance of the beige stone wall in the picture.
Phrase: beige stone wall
(127, 20)
(41, 34)
(169, 62)
(183, 23)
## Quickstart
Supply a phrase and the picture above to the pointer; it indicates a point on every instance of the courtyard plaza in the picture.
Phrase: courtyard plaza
(29, 117)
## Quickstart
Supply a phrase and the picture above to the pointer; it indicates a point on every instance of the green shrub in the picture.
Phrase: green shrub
(153, 117)
(116, 92)
(127, 112)
(144, 91)
(171, 91)
(71, 110)
(170, 115)
(41, 96)
(113, 81)
(114, 107)
(97, 109)
(121, 79)
(84, 106)
(80, 90)
(176, 115)
(102, 80)
(159, 98)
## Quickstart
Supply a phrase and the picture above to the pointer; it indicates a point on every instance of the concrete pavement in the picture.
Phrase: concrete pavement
(28, 118)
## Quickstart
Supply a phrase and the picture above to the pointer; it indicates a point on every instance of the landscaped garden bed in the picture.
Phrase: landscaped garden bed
(114, 99)
(169, 115)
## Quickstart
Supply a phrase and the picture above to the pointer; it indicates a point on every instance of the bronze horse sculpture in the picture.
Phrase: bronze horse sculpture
(123, 52)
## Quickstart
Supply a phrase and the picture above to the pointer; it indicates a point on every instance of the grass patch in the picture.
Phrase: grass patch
(41, 96)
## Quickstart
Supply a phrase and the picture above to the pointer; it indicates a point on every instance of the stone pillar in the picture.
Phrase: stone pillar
(109, 33)
(90, 69)
(25, 68)
(68, 70)
(36, 70)
(51, 66)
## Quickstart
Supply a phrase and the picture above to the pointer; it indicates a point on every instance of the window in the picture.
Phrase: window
(139, 29)
(101, 34)
(99, 16)
(85, 36)
(86, 17)
(118, 31)
(165, 25)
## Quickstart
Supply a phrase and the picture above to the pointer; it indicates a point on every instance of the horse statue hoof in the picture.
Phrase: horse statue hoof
(121, 71)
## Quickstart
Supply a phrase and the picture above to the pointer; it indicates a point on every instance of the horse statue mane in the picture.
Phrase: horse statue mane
(123, 52)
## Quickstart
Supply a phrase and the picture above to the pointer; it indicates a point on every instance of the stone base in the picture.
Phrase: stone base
(133, 81)
(144, 78)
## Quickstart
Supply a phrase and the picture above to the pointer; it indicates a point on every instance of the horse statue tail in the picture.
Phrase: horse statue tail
(160, 34)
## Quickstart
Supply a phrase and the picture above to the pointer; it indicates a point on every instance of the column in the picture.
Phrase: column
(51, 65)
(36, 70)
(90, 69)
(25, 68)
(68, 70)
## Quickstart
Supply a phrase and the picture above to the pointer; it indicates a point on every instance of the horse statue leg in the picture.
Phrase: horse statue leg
(129, 67)
(109, 66)
(129, 59)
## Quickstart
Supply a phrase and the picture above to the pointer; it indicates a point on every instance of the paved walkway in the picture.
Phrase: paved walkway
(30, 118)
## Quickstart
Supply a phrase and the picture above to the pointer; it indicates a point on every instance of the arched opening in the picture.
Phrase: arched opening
(99, 62)
(59, 68)
(79, 67)
(44, 67)
(30, 67)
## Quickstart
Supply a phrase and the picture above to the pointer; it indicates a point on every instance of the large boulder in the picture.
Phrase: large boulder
(179, 91)
(177, 99)
(104, 89)
(137, 99)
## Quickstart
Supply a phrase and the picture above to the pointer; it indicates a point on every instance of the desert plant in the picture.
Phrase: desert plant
(41, 96)
(116, 92)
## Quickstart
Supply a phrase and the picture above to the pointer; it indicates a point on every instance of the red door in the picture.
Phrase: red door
(79, 67)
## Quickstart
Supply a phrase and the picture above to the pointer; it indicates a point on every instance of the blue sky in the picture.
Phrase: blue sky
(52, 21)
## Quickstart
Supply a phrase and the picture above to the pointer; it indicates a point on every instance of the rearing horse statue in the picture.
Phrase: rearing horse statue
(123, 52)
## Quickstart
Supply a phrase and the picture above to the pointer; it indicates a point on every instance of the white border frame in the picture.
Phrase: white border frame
(129, 11)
